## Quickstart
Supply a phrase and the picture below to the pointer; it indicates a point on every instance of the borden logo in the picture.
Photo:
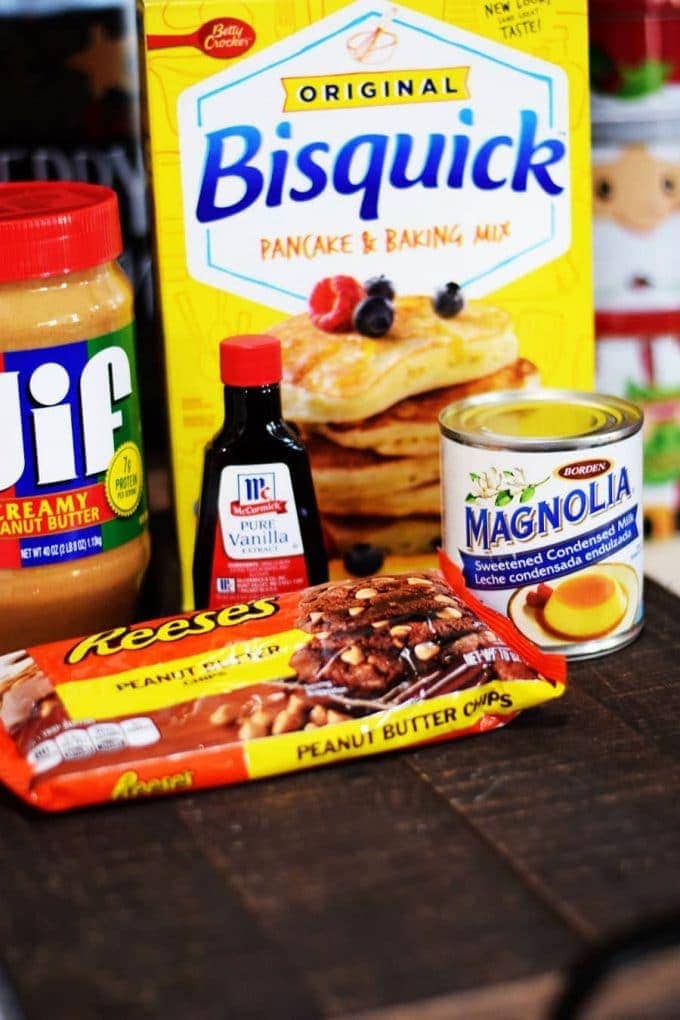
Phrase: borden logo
(129, 785)
(586, 469)
(295, 142)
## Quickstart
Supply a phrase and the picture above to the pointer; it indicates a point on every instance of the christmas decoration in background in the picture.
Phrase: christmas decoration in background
(635, 107)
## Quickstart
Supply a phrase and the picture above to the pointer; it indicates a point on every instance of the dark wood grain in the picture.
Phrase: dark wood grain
(646, 691)
(582, 796)
(386, 884)
(116, 914)
(378, 890)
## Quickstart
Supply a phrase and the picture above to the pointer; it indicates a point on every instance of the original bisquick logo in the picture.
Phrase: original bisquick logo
(129, 785)
(343, 91)
(464, 134)
(128, 639)
(238, 158)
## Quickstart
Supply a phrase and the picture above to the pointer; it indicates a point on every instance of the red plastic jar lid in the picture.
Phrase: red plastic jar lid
(51, 227)
(250, 360)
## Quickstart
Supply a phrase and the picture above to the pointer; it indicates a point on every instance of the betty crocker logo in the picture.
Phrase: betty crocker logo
(223, 38)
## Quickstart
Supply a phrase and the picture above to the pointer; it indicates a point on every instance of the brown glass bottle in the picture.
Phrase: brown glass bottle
(258, 529)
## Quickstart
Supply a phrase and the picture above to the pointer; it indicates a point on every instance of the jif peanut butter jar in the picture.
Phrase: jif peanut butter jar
(74, 543)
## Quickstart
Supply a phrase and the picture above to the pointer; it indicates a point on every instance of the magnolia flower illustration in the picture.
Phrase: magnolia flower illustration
(486, 484)
(501, 486)
(515, 481)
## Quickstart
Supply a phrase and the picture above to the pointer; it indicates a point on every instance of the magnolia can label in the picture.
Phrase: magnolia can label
(542, 510)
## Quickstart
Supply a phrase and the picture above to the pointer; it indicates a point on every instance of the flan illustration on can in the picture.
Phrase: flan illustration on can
(542, 510)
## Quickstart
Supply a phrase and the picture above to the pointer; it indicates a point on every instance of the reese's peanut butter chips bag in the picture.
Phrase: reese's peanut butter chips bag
(337, 671)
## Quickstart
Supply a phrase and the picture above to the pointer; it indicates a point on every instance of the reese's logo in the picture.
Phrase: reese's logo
(128, 639)
(129, 785)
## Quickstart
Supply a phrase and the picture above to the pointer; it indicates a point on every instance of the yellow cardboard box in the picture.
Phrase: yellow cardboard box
(294, 147)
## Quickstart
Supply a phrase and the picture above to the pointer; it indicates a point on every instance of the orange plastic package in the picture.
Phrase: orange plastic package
(273, 685)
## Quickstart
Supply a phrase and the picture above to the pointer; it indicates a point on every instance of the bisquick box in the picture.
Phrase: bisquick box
(301, 150)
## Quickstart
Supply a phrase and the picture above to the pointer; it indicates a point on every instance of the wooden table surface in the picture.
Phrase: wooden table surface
(433, 883)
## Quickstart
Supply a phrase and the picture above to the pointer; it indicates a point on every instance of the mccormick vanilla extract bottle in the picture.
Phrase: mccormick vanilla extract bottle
(258, 531)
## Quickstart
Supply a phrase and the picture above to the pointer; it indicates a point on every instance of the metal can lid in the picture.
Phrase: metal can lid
(542, 420)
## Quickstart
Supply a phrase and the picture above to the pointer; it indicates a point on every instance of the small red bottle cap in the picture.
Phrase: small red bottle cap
(251, 360)
(51, 227)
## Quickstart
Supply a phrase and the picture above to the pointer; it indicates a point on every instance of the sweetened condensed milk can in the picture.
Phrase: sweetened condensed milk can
(542, 510)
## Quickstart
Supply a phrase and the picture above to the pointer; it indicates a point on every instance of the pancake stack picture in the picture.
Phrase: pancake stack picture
(368, 405)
